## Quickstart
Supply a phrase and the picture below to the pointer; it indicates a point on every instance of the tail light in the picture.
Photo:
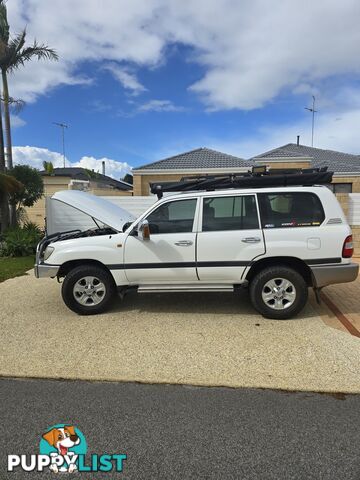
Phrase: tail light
(348, 248)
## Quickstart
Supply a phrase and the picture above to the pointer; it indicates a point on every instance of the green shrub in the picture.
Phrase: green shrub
(20, 241)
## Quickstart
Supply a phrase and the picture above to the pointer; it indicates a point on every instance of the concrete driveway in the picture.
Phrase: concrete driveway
(199, 339)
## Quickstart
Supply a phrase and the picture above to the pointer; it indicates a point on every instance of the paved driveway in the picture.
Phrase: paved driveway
(200, 339)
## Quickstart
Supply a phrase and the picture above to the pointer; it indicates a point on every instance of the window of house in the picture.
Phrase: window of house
(229, 213)
(173, 217)
(341, 187)
(288, 210)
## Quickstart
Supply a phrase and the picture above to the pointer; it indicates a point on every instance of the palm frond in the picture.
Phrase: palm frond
(4, 25)
(20, 57)
(9, 184)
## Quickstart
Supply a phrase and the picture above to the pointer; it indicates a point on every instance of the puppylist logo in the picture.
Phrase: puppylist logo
(62, 450)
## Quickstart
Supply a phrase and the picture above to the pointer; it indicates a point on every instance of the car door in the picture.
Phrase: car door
(230, 237)
(169, 254)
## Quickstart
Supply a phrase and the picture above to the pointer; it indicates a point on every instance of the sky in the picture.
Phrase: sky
(140, 80)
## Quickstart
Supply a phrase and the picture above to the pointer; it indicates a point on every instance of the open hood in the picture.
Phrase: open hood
(101, 210)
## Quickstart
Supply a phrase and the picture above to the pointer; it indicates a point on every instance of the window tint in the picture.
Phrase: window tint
(288, 210)
(173, 217)
(229, 213)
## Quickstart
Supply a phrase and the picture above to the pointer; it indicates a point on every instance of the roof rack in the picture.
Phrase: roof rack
(259, 176)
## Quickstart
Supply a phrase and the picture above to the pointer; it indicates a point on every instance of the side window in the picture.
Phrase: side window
(229, 213)
(173, 217)
(288, 210)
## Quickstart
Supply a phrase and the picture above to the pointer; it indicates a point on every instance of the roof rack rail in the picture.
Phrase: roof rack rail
(258, 177)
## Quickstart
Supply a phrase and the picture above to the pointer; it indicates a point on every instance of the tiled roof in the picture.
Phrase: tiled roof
(78, 173)
(201, 158)
(337, 162)
(279, 153)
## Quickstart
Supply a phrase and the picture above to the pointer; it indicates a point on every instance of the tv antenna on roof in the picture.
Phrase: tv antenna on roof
(62, 126)
(313, 111)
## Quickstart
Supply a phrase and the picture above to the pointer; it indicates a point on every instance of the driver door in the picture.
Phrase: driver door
(169, 254)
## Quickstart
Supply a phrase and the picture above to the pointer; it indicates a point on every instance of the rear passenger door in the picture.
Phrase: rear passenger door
(229, 237)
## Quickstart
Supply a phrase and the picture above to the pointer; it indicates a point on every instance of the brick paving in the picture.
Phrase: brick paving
(346, 297)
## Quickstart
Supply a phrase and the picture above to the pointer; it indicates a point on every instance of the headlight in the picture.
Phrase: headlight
(48, 252)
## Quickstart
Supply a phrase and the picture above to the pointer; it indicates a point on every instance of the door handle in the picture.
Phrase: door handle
(184, 243)
(251, 240)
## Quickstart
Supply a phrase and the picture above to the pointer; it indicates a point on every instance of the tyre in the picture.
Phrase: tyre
(278, 292)
(88, 290)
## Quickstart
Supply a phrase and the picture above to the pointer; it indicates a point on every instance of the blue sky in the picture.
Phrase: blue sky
(138, 81)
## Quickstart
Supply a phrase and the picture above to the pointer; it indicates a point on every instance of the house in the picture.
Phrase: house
(346, 167)
(76, 178)
(346, 179)
(200, 161)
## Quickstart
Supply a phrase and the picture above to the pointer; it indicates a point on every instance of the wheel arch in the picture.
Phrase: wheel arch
(292, 262)
(66, 267)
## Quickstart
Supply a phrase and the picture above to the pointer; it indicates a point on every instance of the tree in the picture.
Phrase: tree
(32, 188)
(128, 178)
(14, 54)
(48, 167)
(9, 184)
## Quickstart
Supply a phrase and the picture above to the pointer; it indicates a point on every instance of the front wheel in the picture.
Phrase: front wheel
(88, 290)
(278, 292)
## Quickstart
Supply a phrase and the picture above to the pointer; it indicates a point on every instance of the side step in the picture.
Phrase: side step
(193, 287)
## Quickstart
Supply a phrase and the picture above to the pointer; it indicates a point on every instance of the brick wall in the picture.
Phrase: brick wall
(141, 182)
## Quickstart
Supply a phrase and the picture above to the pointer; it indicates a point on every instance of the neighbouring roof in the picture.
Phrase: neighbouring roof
(79, 173)
(200, 158)
(337, 162)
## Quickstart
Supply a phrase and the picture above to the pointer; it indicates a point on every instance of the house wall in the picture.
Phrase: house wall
(141, 182)
(304, 164)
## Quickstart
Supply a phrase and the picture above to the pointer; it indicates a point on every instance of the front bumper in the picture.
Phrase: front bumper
(329, 274)
(42, 270)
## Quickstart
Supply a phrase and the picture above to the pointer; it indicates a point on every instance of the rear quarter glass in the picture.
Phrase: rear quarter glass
(290, 209)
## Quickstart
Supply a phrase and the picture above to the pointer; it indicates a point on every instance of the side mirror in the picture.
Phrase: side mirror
(144, 229)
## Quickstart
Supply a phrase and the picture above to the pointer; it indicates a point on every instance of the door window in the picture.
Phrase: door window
(173, 217)
(286, 210)
(229, 213)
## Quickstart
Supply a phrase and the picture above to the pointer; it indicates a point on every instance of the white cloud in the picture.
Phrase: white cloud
(127, 79)
(35, 156)
(160, 106)
(332, 132)
(335, 129)
(113, 168)
(251, 51)
(16, 121)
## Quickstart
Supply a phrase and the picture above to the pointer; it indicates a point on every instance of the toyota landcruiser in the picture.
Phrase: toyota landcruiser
(278, 241)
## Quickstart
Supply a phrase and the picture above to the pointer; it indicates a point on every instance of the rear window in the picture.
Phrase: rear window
(290, 210)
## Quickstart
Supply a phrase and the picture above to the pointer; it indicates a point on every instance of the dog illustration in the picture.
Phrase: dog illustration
(62, 438)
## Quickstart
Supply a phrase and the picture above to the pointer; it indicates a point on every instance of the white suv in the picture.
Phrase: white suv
(278, 241)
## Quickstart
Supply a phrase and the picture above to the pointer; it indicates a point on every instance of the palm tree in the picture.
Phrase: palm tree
(14, 54)
(4, 205)
(9, 184)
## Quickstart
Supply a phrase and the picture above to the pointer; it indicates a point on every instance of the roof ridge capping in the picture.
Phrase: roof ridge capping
(322, 149)
(192, 157)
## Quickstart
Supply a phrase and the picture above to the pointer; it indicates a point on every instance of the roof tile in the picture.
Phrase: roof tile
(201, 158)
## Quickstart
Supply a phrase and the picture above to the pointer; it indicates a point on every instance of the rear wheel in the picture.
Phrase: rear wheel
(88, 290)
(278, 292)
